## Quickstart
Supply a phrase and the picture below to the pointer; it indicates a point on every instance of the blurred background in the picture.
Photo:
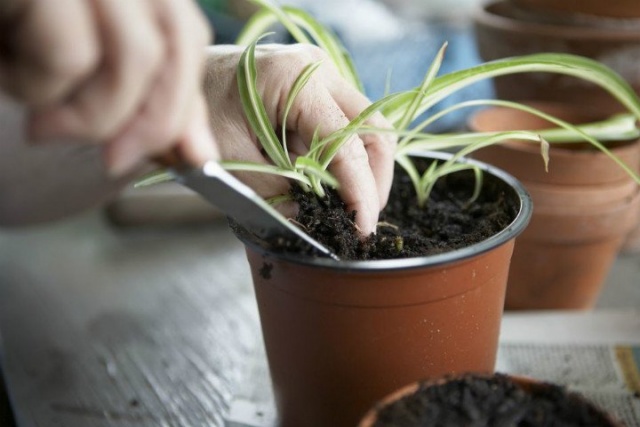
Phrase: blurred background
(392, 42)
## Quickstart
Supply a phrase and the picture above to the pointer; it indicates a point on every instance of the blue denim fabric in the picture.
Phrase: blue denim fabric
(408, 60)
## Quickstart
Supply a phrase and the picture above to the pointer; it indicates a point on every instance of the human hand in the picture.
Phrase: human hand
(363, 166)
(124, 73)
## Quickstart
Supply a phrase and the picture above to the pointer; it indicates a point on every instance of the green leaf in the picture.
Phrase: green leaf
(560, 63)
(413, 174)
(255, 111)
(328, 41)
(155, 177)
(263, 168)
(431, 177)
(409, 113)
(298, 85)
(313, 168)
(299, 23)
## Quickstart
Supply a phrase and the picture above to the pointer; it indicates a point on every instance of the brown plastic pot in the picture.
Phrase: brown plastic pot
(339, 335)
(528, 385)
(502, 32)
(584, 207)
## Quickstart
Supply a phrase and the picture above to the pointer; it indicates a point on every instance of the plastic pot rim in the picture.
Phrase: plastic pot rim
(510, 232)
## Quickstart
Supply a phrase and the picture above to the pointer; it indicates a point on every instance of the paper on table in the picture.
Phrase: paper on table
(596, 354)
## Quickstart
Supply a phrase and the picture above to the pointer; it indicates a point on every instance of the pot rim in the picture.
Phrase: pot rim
(510, 232)
(486, 16)
(621, 147)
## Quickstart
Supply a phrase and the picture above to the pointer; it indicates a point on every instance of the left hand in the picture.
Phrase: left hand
(363, 166)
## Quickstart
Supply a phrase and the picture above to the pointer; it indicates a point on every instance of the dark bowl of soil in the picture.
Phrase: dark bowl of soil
(485, 401)
(340, 334)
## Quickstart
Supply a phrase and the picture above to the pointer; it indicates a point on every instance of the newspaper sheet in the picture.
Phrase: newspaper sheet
(594, 353)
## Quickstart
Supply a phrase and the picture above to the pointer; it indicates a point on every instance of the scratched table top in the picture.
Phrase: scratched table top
(116, 327)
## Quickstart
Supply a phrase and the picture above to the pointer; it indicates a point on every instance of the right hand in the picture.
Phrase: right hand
(124, 73)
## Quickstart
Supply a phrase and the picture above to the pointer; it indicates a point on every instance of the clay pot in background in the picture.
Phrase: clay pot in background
(564, 256)
(468, 402)
(502, 32)
(612, 8)
(339, 335)
(631, 244)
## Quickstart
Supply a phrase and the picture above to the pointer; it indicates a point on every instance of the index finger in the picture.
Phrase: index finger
(381, 146)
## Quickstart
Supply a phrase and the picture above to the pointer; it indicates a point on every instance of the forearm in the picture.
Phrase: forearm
(49, 181)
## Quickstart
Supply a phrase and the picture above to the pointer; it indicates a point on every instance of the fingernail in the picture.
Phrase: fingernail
(367, 226)
(122, 157)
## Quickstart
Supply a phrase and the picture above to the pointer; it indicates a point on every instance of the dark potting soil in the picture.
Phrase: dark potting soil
(490, 402)
(447, 222)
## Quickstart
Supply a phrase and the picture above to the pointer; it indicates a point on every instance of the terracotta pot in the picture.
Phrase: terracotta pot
(563, 258)
(339, 335)
(583, 209)
(527, 385)
(501, 32)
(570, 164)
(611, 8)
(631, 244)
(567, 198)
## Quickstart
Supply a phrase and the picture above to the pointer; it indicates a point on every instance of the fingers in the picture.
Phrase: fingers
(133, 52)
(48, 48)
(174, 98)
(364, 165)
(315, 109)
(198, 145)
(195, 145)
(147, 92)
(380, 147)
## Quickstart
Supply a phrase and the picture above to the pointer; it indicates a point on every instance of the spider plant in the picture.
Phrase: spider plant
(403, 108)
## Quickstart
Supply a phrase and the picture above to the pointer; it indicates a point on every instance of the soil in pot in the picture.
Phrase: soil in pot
(447, 222)
(480, 401)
